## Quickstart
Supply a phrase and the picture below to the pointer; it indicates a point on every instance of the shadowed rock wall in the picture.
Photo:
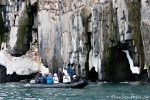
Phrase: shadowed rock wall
(85, 33)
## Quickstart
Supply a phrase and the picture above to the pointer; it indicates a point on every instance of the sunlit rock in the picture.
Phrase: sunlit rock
(81, 32)
(2, 2)
(26, 64)
(33, 2)
(134, 69)
(13, 37)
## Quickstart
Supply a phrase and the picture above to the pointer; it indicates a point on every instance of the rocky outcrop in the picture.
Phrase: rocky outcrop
(82, 33)
(73, 32)
(85, 33)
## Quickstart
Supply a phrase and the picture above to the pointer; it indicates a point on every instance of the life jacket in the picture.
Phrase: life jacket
(55, 78)
(49, 80)
(66, 77)
(42, 79)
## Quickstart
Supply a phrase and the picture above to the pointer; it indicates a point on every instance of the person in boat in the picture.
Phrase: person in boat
(66, 77)
(39, 74)
(60, 75)
(43, 79)
(55, 78)
(75, 78)
(49, 79)
(37, 77)
(70, 70)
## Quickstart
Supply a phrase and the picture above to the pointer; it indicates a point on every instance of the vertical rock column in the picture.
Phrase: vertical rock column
(145, 30)
(49, 34)
(84, 24)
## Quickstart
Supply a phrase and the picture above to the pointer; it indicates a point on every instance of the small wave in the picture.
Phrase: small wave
(3, 94)
(135, 83)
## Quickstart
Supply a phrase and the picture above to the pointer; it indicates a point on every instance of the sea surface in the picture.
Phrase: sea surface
(93, 91)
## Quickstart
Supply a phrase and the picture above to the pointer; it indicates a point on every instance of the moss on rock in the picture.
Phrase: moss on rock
(24, 30)
(134, 16)
(117, 68)
(3, 29)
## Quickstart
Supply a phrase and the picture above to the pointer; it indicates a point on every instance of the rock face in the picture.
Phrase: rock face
(85, 33)
(16, 17)
(145, 29)
(2, 2)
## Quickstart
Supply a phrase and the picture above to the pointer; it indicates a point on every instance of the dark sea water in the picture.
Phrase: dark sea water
(93, 91)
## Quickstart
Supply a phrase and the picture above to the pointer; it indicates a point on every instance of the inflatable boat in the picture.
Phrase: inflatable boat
(80, 84)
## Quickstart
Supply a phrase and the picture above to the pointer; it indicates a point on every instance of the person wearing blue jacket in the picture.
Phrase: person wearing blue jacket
(42, 79)
(39, 74)
(50, 79)
(37, 77)
(70, 71)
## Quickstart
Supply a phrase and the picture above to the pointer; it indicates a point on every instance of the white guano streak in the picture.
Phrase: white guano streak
(134, 69)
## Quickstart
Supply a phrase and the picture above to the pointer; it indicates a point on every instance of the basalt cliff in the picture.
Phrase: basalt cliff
(111, 35)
